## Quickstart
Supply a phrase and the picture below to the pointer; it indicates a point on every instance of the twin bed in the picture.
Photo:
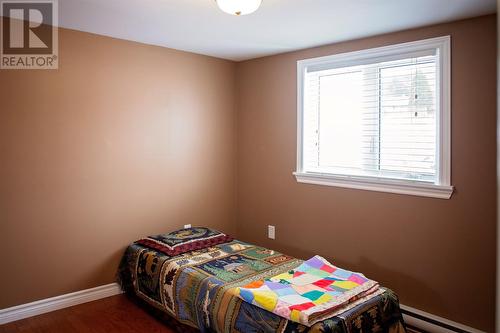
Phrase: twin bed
(194, 275)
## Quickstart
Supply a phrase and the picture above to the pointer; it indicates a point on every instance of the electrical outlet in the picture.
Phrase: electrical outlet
(187, 226)
(271, 231)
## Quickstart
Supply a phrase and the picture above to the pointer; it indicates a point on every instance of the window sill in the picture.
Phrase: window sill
(377, 184)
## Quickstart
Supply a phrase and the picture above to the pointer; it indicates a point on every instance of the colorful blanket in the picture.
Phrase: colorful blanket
(197, 290)
(313, 291)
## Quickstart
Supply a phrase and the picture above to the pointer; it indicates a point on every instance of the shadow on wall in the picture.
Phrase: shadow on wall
(373, 271)
(107, 264)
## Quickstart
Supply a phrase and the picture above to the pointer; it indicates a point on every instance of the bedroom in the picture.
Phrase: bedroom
(147, 117)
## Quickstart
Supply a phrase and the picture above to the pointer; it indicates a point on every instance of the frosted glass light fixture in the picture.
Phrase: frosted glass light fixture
(239, 7)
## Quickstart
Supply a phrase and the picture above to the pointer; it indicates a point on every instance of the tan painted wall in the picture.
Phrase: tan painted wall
(124, 140)
(439, 255)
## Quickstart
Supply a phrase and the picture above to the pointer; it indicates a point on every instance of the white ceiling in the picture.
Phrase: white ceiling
(278, 26)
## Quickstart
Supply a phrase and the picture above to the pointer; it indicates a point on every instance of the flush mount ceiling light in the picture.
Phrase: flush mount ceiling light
(239, 7)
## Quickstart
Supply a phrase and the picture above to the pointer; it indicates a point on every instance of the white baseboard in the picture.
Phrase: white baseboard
(428, 322)
(56, 303)
(414, 317)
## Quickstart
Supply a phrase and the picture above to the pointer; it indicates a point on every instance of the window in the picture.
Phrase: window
(377, 119)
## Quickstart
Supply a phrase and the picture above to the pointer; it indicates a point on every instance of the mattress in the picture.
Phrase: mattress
(193, 288)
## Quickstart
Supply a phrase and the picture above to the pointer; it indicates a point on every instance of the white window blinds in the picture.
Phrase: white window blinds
(375, 119)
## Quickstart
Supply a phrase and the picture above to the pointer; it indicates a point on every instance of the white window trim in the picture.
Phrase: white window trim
(443, 188)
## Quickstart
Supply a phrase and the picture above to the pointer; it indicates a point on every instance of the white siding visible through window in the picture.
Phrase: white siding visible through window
(408, 118)
(383, 118)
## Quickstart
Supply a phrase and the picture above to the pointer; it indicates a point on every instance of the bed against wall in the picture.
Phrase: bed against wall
(207, 281)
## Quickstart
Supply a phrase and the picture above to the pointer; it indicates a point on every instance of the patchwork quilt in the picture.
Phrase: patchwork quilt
(311, 292)
(197, 288)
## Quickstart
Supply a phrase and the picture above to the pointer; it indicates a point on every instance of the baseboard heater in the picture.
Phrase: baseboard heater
(420, 321)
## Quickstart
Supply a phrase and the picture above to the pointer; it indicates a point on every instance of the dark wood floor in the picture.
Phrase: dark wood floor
(108, 315)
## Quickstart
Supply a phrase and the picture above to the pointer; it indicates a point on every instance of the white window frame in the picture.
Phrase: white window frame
(442, 188)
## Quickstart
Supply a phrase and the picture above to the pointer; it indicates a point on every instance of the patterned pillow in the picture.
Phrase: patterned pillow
(185, 240)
